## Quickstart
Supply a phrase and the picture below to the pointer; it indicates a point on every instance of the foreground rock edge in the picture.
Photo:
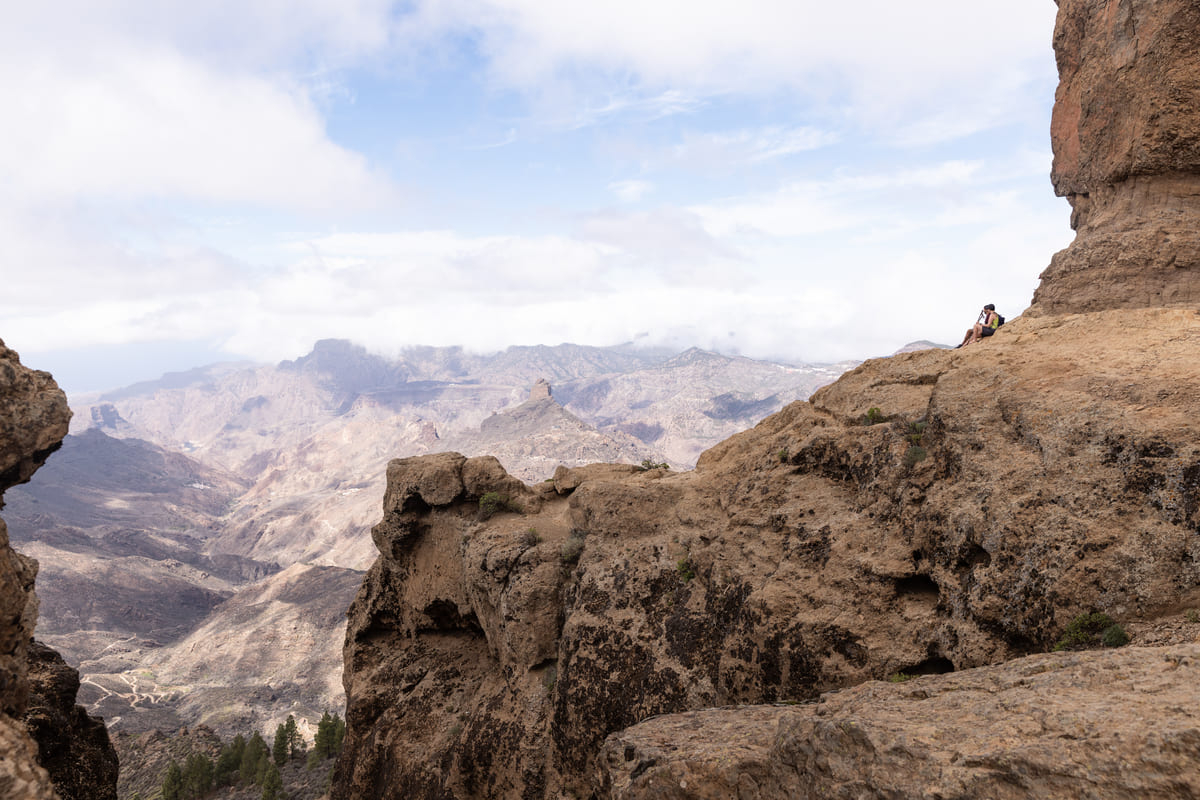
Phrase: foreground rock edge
(49, 747)
(1113, 724)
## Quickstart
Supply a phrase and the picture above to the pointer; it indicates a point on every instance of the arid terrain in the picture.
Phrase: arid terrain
(200, 537)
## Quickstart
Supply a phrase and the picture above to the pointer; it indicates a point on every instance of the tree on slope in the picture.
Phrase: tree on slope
(172, 785)
(280, 749)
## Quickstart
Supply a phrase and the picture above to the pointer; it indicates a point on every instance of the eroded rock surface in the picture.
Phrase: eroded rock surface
(1010, 487)
(1126, 138)
(33, 421)
(1117, 724)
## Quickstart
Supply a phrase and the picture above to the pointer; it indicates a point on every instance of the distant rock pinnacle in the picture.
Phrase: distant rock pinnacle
(541, 390)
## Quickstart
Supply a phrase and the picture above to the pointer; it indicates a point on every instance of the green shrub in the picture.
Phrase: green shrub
(1114, 636)
(783, 456)
(1088, 630)
(685, 569)
(900, 677)
(571, 549)
(531, 537)
(648, 465)
(491, 502)
(1192, 616)
(874, 416)
(915, 455)
(915, 431)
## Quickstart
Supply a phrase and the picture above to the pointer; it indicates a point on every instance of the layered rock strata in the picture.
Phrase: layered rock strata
(1126, 139)
(82, 764)
(1004, 489)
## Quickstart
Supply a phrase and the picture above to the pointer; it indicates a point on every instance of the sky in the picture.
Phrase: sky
(184, 183)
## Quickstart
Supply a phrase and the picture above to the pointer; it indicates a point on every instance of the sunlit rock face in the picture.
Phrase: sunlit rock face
(48, 746)
(1126, 139)
(1004, 489)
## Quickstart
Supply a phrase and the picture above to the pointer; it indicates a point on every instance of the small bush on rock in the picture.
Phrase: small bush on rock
(572, 548)
(491, 502)
(1089, 630)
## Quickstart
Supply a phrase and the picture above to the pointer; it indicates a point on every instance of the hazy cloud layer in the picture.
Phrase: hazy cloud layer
(783, 178)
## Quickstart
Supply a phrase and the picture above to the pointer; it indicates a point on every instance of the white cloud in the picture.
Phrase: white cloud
(630, 191)
(151, 123)
(891, 61)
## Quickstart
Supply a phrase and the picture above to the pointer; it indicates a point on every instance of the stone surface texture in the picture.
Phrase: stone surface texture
(1118, 724)
(1009, 487)
(1126, 139)
(71, 754)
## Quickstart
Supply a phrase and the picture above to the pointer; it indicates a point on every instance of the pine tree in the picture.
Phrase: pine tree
(197, 776)
(256, 752)
(294, 739)
(229, 762)
(272, 784)
(323, 741)
(339, 734)
(172, 785)
(280, 750)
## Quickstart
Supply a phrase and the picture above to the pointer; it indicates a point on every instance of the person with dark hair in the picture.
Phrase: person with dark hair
(985, 325)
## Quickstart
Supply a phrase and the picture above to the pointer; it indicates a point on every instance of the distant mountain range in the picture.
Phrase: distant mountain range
(208, 522)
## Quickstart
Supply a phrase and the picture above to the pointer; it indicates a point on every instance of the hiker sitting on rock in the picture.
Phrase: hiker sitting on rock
(986, 325)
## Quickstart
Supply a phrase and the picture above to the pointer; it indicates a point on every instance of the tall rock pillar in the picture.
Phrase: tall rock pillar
(1126, 140)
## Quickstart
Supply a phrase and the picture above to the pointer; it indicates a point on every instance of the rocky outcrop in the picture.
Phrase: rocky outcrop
(1003, 490)
(73, 746)
(1063, 725)
(1126, 139)
(33, 421)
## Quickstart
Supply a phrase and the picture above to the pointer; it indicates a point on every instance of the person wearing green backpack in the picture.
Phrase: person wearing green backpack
(985, 325)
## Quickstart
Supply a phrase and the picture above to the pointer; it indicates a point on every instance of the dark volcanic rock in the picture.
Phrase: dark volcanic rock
(72, 746)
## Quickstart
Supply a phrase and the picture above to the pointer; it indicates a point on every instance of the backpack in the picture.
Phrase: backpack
(1000, 320)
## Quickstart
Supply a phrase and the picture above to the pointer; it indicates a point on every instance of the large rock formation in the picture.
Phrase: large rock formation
(1008, 488)
(1116, 725)
(1126, 138)
(38, 699)
(936, 512)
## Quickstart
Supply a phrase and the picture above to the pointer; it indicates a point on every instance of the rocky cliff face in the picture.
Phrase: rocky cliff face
(1008, 488)
(1126, 138)
(49, 748)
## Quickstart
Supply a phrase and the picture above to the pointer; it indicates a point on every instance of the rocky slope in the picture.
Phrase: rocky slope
(1126, 139)
(1010, 487)
(270, 650)
(49, 747)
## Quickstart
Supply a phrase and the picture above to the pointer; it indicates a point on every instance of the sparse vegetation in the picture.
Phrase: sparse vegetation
(900, 677)
(874, 416)
(915, 455)
(783, 455)
(1090, 630)
(686, 569)
(531, 538)
(251, 763)
(572, 548)
(491, 502)
(915, 431)
(648, 465)
(1192, 616)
